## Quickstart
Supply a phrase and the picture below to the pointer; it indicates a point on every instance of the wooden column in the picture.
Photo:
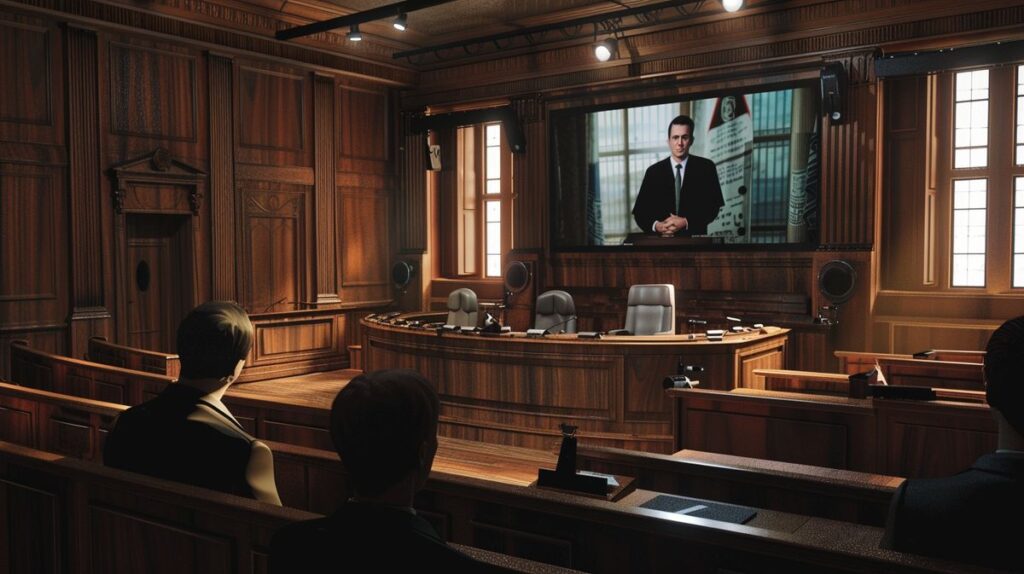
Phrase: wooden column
(324, 190)
(223, 209)
(90, 314)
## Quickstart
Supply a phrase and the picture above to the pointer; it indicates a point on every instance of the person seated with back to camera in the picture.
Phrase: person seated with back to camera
(969, 517)
(384, 427)
(186, 433)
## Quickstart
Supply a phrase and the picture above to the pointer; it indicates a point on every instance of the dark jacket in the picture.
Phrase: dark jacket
(366, 538)
(177, 436)
(701, 195)
(971, 517)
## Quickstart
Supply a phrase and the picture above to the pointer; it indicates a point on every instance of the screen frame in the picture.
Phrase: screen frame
(552, 119)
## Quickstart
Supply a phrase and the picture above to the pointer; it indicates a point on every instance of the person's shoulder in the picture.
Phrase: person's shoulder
(701, 160)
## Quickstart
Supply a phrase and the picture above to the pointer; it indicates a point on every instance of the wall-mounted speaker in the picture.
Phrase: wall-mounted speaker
(402, 273)
(833, 90)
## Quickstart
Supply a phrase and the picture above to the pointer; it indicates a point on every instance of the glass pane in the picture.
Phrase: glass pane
(493, 211)
(970, 120)
(493, 162)
(494, 265)
(1018, 232)
(494, 238)
(493, 186)
(970, 199)
(493, 135)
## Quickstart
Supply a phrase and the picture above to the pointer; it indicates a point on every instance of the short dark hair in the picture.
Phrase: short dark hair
(681, 120)
(379, 423)
(212, 338)
(1004, 371)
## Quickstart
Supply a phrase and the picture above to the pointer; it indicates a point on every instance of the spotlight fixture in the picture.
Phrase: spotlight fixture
(605, 49)
(732, 5)
(354, 35)
(400, 22)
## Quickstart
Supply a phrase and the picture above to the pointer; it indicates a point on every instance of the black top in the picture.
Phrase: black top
(157, 438)
(974, 516)
(363, 537)
(701, 196)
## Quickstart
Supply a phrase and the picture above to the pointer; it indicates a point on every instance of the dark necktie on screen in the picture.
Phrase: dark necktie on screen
(679, 185)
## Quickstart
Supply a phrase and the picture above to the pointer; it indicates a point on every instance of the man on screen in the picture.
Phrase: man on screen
(680, 195)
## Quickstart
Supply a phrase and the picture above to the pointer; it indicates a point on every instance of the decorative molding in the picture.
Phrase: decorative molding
(88, 290)
(226, 280)
(156, 169)
(215, 31)
(325, 246)
(288, 175)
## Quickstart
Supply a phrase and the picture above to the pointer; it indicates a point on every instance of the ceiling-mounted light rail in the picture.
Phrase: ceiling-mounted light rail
(357, 18)
(641, 16)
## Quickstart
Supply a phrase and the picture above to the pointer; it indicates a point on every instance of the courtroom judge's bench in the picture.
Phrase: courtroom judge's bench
(513, 389)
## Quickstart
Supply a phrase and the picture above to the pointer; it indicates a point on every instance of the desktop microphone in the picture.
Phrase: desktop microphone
(543, 332)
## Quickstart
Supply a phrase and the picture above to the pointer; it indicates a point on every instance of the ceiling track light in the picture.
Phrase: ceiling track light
(354, 35)
(400, 22)
(606, 49)
(732, 5)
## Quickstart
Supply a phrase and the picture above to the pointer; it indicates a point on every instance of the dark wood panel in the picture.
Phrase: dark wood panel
(366, 258)
(272, 111)
(189, 550)
(32, 217)
(25, 65)
(32, 535)
(365, 123)
(153, 93)
(276, 228)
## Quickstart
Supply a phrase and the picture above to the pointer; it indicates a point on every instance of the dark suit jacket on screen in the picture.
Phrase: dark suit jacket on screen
(701, 195)
(177, 436)
(366, 538)
(975, 516)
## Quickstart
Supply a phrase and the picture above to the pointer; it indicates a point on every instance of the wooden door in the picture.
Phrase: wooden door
(158, 277)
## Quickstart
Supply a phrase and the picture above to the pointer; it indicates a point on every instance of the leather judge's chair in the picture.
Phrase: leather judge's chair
(462, 308)
(651, 310)
(555, 311)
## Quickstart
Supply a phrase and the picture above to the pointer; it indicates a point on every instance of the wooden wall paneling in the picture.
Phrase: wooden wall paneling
(904, 194)
(90, 268)
(277, 240)
(156, 97)
(274, 117)
(366, 121)
(530, 182)
(366, 258)
(913, 445)
(32, 79)
(326, 243)
(848, 160)
(33, 253)
(411, 199)
(240, 27)
(225, 274)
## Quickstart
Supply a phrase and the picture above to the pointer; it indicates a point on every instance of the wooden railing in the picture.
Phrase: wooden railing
(895, 437)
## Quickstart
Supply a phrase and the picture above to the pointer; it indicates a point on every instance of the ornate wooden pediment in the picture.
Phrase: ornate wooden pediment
(158, 183)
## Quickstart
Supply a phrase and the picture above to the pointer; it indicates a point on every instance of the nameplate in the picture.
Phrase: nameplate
(588, 335)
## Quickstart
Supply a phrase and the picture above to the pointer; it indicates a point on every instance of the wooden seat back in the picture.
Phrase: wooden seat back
(59, 374)
(104, 352)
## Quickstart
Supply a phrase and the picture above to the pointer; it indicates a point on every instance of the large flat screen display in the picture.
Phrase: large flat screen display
(751, 171)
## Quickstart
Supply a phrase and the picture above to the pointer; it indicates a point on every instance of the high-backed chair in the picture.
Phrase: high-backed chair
(462, 308)
(555, 311)
(651, 310)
